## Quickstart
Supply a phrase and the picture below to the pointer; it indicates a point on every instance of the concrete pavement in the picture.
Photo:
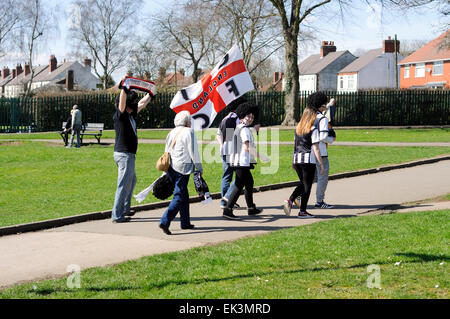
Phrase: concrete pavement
(47, 254)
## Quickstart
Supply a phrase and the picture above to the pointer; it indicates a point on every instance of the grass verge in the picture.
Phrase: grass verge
(356, 135)
(41, 181)
(321, 260)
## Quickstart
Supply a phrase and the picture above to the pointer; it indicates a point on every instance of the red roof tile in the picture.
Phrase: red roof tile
(432, 51)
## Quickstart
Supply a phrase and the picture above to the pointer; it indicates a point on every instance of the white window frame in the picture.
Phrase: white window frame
(406, 72)
(441, 64)
(420, 67)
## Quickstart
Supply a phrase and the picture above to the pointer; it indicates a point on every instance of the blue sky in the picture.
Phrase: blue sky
(364, 27)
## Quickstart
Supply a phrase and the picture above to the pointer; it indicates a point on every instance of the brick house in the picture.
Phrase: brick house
(429, 66)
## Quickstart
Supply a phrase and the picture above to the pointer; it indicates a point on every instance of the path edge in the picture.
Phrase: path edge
(64, 221)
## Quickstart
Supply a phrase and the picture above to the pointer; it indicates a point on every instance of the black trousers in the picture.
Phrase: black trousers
(244, 179)
(66, 136)
(306, 174)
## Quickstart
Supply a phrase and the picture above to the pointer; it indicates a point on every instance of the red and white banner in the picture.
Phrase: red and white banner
(226, 82)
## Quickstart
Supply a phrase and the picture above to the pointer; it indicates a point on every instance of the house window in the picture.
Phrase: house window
(341, 82)
(420, 70)
(438, 68)
(406, 74)
(351, 82)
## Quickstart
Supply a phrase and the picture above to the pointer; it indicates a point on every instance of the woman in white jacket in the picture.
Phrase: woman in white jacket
(184, 159)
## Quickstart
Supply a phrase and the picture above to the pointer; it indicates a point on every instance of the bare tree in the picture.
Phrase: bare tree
(104, 30)
(189, 32)
(252, 24)
(146, 58)
(35, 21)
(290, 22)
(9, 21)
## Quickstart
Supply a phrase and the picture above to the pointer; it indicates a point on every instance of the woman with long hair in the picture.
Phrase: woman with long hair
(306, 153)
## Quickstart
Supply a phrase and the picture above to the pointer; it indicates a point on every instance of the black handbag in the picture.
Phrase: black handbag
(163, 187)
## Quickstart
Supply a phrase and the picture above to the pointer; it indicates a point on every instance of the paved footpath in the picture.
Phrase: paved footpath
(47, 254)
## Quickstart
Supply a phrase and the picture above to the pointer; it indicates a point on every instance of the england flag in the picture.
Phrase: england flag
(226, 82)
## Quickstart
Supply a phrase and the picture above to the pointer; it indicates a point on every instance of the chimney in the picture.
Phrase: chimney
(18, 69)
(13, 73)
(27, 69)
(53, 63)
(129, 73)
(69, 80)
(5, 73)
(161, 74)
(182, 72)
(388, 46)
(87, 63)
(327, 47)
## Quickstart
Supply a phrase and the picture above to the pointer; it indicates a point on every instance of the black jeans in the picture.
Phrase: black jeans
(306, 174)
(243, 179)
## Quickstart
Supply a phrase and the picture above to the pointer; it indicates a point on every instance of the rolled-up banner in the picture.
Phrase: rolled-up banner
(139, 84)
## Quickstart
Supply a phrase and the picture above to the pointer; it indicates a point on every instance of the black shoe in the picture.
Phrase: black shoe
(121, 220)
(165, 229)
(228, 213)
(254, 211)
(131, 213)
(190, 226)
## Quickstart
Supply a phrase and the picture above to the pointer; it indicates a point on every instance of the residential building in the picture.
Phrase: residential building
(319, 71)
(278, 84)
(376, 69)
(5, 78)
(429, 66)
(65, 76)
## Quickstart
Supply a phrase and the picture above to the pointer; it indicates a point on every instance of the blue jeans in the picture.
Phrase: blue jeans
(322, 180)
(180, 200)
(226, 187)
(125, 184)
(76, 130)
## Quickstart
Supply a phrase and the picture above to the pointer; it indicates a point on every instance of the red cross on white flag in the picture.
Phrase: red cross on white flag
(226, 82)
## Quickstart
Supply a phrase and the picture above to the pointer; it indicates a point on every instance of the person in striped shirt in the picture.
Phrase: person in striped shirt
(307, 152)
(242, 159)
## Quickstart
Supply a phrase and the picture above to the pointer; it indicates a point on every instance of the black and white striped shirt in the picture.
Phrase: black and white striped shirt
(303, 143)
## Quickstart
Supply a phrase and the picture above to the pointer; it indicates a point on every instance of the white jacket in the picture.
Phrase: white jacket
(184, 156)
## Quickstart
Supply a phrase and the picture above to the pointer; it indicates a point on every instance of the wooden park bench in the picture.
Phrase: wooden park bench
(93, 129)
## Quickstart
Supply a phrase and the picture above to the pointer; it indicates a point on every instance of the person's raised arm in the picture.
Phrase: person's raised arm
(122, 97)
(144, 101)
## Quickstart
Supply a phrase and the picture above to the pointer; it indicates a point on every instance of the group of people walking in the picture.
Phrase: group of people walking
(239, 156)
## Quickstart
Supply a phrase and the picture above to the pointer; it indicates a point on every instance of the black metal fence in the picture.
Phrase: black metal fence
(368, 108)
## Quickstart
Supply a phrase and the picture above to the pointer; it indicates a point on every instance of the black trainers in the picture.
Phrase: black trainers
(190, 226)
(228, 213)
(165, 229)
(131, 213)
(254, 211)
(121, 220)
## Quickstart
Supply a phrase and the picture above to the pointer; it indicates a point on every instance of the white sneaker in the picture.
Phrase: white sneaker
(287, 206)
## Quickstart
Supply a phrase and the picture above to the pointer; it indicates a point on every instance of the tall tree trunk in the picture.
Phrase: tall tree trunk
(292, 80)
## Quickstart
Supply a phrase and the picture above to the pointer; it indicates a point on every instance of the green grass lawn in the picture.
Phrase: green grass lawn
(43, 181)
(356, 135)
(322, 260)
